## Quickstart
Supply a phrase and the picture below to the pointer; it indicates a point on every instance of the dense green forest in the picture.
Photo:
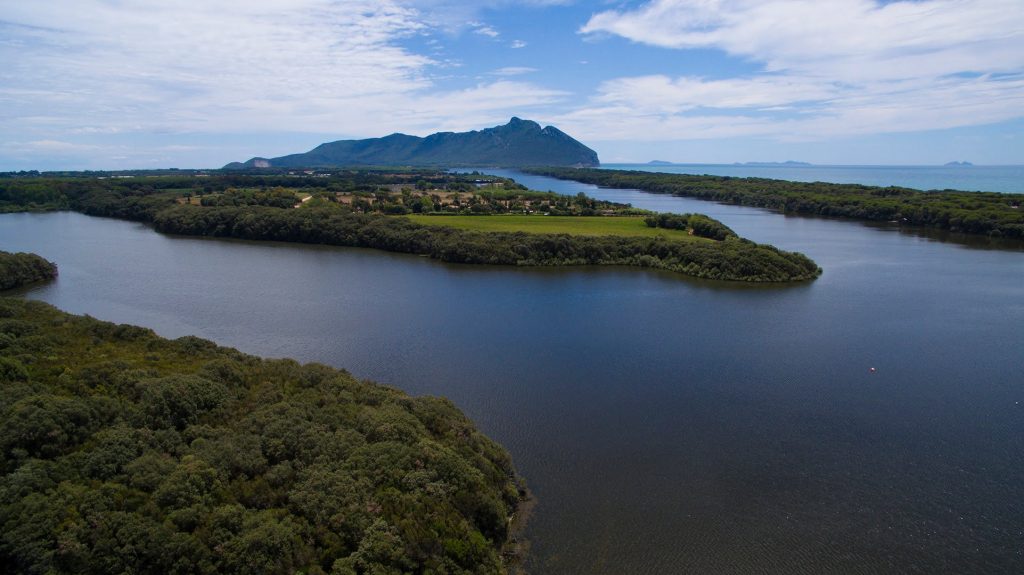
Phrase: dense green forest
(167, 203)
(983, 213)
(21, 269)
(34, 191)
(124, 452)
(698, 224)
(732, 259)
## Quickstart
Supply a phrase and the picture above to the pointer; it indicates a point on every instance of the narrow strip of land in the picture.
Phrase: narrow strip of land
(991, 214)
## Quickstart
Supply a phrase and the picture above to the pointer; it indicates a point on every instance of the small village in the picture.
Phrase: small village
(440, 194)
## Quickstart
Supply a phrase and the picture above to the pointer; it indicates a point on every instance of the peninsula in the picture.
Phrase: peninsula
(507, 224)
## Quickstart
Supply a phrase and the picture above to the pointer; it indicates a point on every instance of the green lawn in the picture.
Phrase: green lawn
(538, 224)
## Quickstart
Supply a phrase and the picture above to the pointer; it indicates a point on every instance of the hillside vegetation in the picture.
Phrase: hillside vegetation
(123, 452)
(518, 143)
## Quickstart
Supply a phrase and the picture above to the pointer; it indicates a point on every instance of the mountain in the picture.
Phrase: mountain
(518, 143)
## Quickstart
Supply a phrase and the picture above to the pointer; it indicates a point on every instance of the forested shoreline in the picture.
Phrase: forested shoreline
(326, 222)
(124, 452)
(21, 269)
(989, 214)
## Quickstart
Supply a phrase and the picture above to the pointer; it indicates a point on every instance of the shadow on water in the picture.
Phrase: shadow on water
(539, 272)
(969, 241)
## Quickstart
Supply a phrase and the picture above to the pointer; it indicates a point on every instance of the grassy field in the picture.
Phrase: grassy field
(573, 225)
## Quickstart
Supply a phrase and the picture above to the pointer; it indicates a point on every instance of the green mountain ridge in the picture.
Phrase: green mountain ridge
(518, 143)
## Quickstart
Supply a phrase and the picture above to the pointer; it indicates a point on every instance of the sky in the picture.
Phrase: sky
(117, 84)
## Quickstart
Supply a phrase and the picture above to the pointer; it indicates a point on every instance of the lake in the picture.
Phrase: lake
(665, 425)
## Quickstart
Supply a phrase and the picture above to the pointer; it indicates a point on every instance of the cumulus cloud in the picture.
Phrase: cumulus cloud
(849, 66)
(836, 38)
(218, 65)
(209, 64)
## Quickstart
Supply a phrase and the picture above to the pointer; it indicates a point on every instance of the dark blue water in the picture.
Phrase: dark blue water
(665, 425)
(967, 178)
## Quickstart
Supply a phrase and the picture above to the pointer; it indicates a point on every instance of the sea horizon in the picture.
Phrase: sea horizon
(971, 178)
(798, 163)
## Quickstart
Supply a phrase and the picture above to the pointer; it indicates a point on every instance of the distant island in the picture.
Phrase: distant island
(659, 163)
(786, 163)
(958, 164)
(518, 143)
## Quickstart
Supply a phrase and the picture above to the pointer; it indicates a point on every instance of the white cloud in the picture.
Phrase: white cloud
(90, 69)
(932, 37)
(98, 78)
(49, 146)
(484, 29)
(471, 109)
(828, 68)
(663, 94)
(513, 71)
(218, 64)
(110, 76)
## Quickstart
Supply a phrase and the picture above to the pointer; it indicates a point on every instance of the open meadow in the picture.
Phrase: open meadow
(540, 224)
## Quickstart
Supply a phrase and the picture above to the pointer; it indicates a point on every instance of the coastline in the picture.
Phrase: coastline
(984, 214)
(989, 178)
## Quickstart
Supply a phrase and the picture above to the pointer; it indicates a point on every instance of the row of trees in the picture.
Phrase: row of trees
(484, 201)
(123, 452)
(21, 269)
(983, 213)
(43, 192)
(277, 197)
(697, 224)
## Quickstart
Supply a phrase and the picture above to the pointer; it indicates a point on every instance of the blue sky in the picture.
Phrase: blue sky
(107, 84)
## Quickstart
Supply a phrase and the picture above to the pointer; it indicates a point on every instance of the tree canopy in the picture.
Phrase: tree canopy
(123, 452)
(21, 269)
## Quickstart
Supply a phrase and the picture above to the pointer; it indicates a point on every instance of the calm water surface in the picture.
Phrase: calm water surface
(665, 425)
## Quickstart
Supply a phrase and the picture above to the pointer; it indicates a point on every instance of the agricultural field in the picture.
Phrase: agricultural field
(540, 224)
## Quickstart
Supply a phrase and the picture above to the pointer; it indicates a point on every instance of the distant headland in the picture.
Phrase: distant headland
(518, 143)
